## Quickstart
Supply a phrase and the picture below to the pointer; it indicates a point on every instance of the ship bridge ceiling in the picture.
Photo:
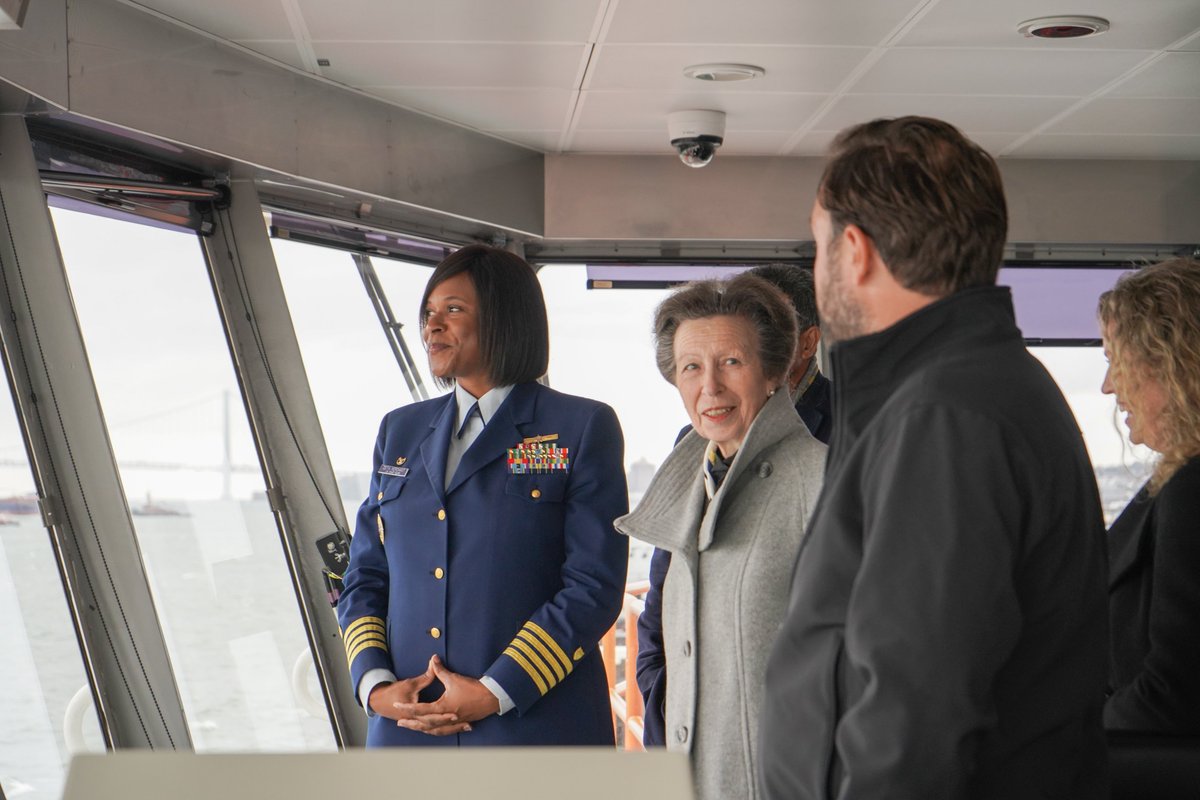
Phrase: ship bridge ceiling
(498, 120)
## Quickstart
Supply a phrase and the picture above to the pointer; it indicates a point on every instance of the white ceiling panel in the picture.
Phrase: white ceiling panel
(1169, 116)
(971, 114)
(1192, 44)
(821, 22)
(368, 65)
(285, 52)
(816, 143)
(1141, 25)
(229, 19)
(1082, 145)
(518, 67)
(1002, 72)
(660, 67)
(450, 20)
(488, 109)
(1172, 75)
(546, 141)
(648, 110)
(737, 143)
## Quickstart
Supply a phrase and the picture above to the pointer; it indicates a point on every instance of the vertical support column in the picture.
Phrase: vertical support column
(300, 480)
(80, 491)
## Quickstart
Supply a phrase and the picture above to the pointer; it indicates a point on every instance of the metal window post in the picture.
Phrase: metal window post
(75, 472)
(392, 328)
(301, 485)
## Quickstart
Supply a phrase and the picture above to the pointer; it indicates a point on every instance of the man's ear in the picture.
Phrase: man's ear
(860, 254)
(810, 337)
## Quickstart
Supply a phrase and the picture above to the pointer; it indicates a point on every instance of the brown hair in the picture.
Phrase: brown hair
(1151, 320)
(747, 297)
(929, 198)
(514, 334)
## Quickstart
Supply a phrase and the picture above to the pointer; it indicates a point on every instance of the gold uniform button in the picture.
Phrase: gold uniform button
(439, 573)
(435, 633)
(379, 496)
(535, 494)
(441, 515)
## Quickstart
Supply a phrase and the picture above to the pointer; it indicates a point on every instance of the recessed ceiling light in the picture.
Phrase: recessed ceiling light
(1063, 27)
(724, 72)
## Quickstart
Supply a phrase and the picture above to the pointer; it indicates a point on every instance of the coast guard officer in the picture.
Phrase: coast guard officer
(484, 567)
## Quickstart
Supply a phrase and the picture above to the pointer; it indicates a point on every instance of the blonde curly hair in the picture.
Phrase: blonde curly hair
(1151, 322)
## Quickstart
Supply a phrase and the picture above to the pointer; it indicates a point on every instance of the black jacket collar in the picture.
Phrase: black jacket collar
(868, 369)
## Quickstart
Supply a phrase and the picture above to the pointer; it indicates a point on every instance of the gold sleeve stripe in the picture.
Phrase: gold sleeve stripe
(553, 645)
(541, 648)
(537, 662)
(520, 659)
(360, 622)
(363, 636)
(360, 626)
(366, 644)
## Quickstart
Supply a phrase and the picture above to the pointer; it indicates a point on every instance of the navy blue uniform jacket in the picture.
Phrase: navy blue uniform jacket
(515, 576)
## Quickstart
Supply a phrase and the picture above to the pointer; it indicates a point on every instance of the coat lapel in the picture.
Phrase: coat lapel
(500, 433)
(777, 419)
(672, 513)
(671, 509)
(1126, 536)
(435, 448)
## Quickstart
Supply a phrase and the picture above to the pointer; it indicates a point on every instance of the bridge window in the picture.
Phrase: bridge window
(354, 374)
(191, 476)
(44, 690)
(601, 347)
(1121, 467)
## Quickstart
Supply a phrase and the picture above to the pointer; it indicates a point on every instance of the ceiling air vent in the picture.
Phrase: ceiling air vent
(1063, 27)
(724, 73)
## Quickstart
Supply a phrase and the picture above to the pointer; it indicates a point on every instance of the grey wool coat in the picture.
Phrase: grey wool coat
(727, 588)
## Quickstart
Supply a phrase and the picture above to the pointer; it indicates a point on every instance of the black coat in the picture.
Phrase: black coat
(815, 410)
(947, 627)
(1154, 609)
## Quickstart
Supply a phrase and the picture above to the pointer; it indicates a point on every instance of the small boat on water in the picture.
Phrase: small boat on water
(19, 504)
(153, 509)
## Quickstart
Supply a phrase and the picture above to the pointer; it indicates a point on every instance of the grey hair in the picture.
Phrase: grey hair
(747, 297)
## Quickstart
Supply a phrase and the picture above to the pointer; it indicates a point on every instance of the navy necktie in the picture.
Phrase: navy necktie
(472, 412)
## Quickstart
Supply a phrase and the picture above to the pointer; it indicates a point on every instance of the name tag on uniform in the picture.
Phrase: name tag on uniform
(388, 469)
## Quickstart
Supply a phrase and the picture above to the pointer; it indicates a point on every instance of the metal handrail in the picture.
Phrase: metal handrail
(626, 699)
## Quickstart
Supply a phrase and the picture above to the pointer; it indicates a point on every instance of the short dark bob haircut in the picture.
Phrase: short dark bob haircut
(931, 200)
(514, 334)
(747, 297)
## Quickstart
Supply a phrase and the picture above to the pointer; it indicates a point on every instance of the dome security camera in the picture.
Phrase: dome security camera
(696, 135)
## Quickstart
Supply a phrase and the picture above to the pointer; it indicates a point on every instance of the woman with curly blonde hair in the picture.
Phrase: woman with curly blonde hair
(1150, 322)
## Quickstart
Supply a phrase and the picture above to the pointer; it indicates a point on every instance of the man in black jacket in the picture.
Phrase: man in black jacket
(946, 634)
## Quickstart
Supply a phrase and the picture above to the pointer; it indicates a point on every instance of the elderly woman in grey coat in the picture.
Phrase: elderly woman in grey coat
(731, 503)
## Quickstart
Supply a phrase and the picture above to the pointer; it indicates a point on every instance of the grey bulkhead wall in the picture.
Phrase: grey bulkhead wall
(301, 484)
(1057, 201)
(132, 69)
(84, 506)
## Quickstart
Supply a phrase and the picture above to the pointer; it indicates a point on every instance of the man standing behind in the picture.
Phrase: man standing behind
(947, 627)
